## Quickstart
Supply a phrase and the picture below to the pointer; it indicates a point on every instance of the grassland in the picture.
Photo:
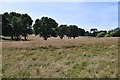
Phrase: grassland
(83, 57)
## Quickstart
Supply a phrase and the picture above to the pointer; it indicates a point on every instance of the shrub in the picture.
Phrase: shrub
(101, 34)
(107, 35)
(112, 34)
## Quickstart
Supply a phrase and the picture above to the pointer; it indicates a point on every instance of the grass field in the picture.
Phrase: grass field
(83, 57)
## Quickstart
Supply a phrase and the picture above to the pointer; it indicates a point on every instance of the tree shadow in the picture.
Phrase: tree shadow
(9, 39)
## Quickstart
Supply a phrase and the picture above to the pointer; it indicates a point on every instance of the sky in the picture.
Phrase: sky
(86, 15)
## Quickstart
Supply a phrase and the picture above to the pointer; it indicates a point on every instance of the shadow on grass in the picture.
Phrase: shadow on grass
(9, 39)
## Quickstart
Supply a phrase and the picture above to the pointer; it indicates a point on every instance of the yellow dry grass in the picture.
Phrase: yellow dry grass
(83, 57)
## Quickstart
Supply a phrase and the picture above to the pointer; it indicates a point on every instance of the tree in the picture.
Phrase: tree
(16, 24)
(61, 31)
(81, 32)
(17, 27)
(72, 31)
(93, 32)
(26, 27)
(87, 33)
(30, 31)
(117, 32)
(36, 27)
(6, 27)
(114, 32)
(68, 32)
(45, 27)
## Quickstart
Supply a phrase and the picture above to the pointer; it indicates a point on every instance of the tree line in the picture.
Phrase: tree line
(16, 25)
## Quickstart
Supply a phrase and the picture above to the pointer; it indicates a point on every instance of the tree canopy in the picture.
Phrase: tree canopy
(45, 27)
(16, 25)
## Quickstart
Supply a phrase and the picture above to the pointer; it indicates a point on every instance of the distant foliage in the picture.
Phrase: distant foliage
(15, 25)
(87, 33)
(107, 35)
(93, 32)
(111, 33)
(115, 32)
(48, 27)
(101, 34)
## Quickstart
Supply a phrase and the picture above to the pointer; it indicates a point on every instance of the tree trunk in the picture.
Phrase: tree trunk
(61, 37)
(17, 38)
(45, 38)
(25, 37)
(11, 37)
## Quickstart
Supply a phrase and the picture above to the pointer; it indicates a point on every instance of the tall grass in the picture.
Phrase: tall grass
(83, 57)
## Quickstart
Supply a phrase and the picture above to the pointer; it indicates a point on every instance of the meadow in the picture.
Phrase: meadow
(83, 57)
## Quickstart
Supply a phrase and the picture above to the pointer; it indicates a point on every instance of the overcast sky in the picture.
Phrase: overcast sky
(87, 15)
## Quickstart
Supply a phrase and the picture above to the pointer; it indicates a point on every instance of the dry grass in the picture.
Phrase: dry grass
(83, 57)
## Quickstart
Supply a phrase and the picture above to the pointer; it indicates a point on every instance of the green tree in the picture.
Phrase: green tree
(16, 24)
(93, 32)
(72, 31)
(117, 32)
(61, 31)
(87, 33)
(6, 27)
(26, 25)
(17, 27)
(36, 27)
(114, 32)
(45, 27)
(81, 32)
(68, 32)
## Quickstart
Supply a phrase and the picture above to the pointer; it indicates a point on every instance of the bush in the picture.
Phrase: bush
(112, 34)
(115, 32)
(101, 34)
(107, 35)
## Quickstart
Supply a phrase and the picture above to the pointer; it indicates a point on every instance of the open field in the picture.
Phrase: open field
(83, 57)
